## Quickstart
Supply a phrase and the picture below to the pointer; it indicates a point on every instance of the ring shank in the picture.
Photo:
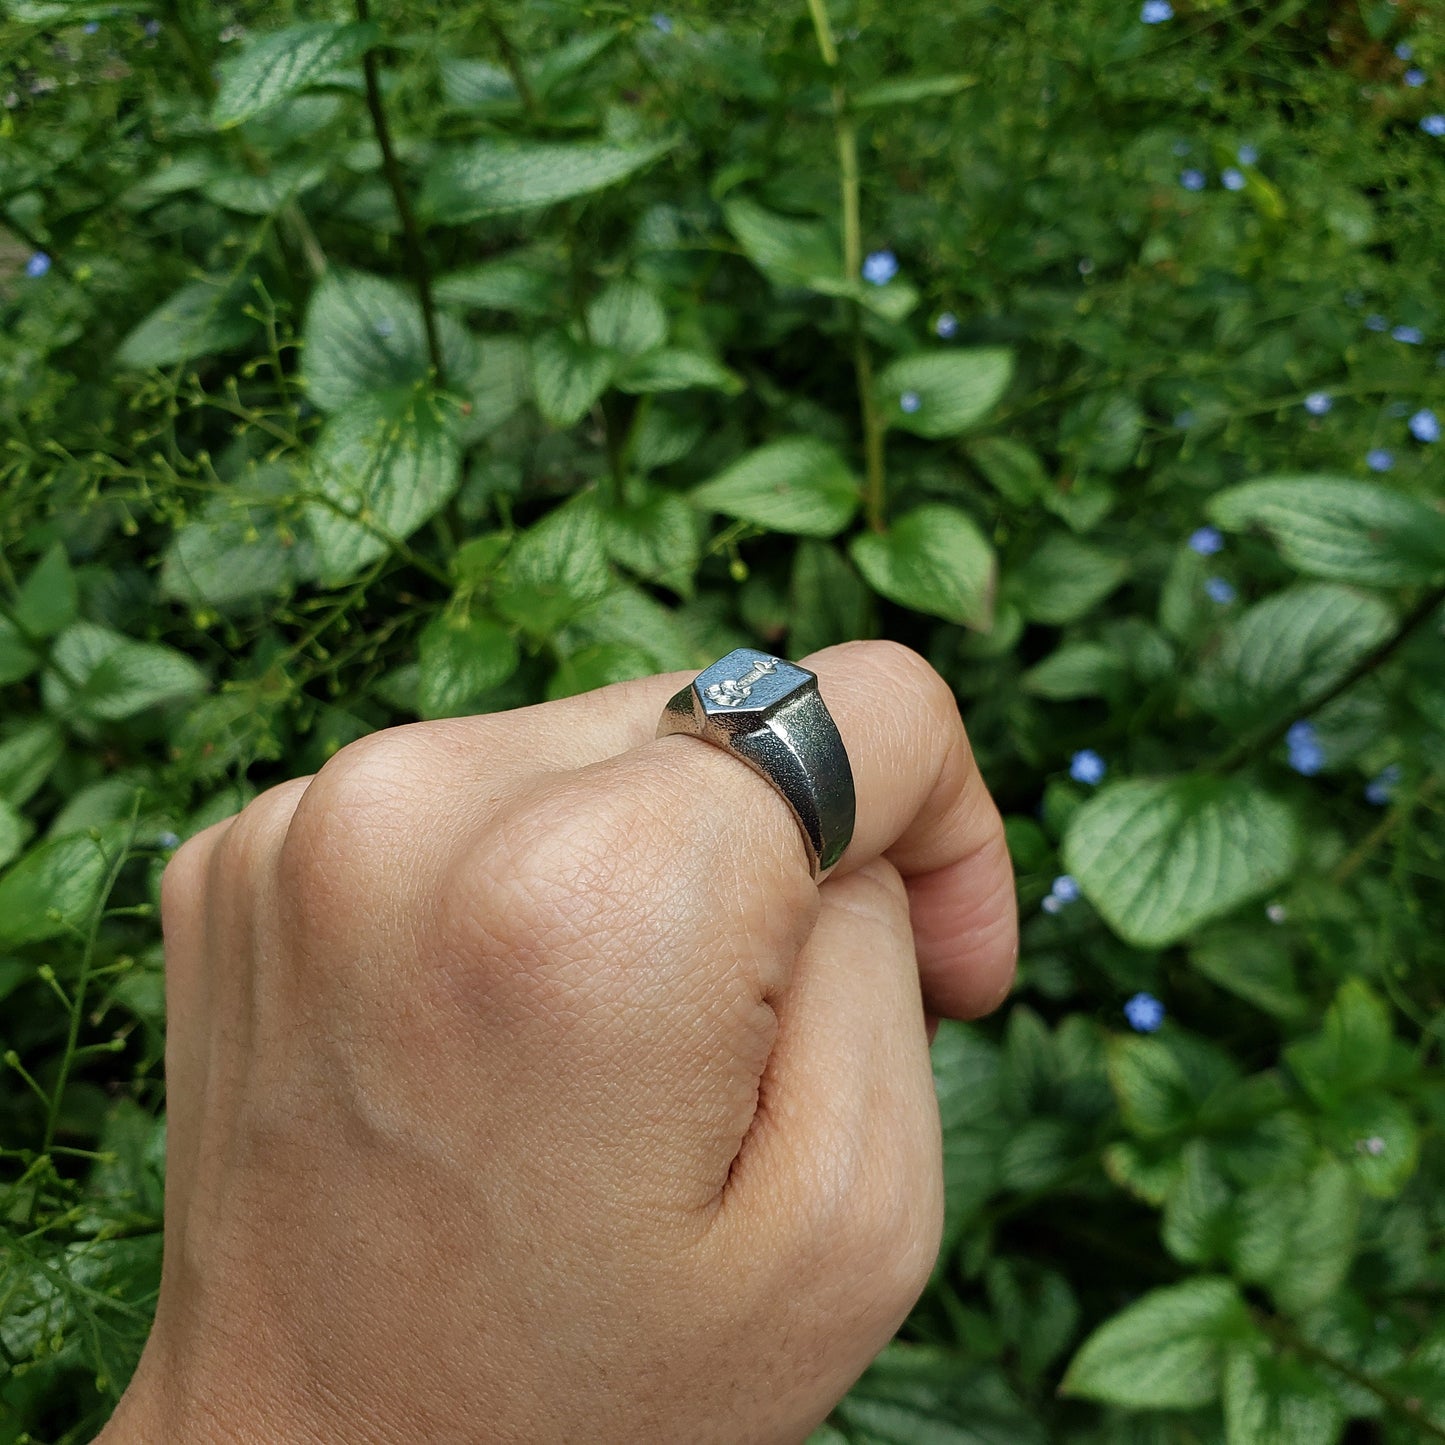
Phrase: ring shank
(799, 751)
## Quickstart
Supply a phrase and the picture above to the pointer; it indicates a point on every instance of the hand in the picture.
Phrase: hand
(523, 1086)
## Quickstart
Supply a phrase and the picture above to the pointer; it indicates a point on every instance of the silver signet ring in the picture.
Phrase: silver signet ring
(768, 712)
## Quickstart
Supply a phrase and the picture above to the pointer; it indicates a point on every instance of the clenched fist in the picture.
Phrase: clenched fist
(525, 1087)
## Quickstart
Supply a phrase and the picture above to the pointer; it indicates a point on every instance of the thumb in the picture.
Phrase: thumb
(838, 1185)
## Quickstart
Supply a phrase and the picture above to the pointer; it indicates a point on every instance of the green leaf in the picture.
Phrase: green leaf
(14, 830)
(501, 285)
(917, 1395)
(478, 85)
(657, 538)
(496, 176)
(27, 756)
(1317, 1249)
(1289, 648)
(1278, 1400)
(1064, 579)
(1377, 1135)
(279, 63)
(48, 599)
(967, 1078)
(599, 665)
(461, 658)
(1162, 1083)
(954, 389)
(554, 67)
(237, 550)
(568, 376)
(383, 469)
(1159, 857)
(1078, 669)
(805, 252)
(906, 91)
(501, 384)
(935, 560)
(1102, 432)
(626, 614)
(264, 195)
(201, 318)
(1353, 1050)
(54, 887)
(1013, 470)
(1165, 1351)
(1196, 1212)
(798, 485)
(790, 250)
(555, 568)
(365, 336)
(100, 675)
(17, 659)
(827, 601)
(1345, 530)
(627, 318)
(674, 369)
(1254, 966)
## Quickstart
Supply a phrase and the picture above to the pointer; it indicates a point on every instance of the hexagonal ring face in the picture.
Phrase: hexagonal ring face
(750, 684)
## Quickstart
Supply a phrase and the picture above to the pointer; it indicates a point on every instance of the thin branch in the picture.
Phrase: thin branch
(512, 59)
(846, 135)
(411, 236)
(1253, 747)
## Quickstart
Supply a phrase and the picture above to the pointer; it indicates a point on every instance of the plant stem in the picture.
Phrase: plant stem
(1382, 830)
(1288, 1336)
(1254, 747)
(846, 136)
(411, 236)
(512, 59)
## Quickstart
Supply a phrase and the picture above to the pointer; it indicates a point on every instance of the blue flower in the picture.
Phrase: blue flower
(663, 23)
(1410, 335)
(1381, 788)
(1415, 76)
(1375, 322)
(1317, 403)
(1065, 889)
(1405, 51)
(37, 265)
(1144, 1012)
(153, 28)
(1425, 425)
(1217, 589)
(909, 402)
(1156, 12)
(91, 26)
(1433, 125)
(1247, 154)
(1378, 459)
(1206, 541)
(1306, 756)
(168, 841)
(1086, 766)
(1192, 180)
(880, 267)
(1052, 904)
(946, 325)
(1232, 179)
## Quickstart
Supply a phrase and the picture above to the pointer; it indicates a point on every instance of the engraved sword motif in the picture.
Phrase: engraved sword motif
(733, 690)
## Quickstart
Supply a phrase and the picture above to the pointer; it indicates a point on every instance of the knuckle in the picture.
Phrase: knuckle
(367, 781)
(183, 880)
(253, 835)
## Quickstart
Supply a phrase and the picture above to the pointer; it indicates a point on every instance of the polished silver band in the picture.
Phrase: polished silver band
(768, 712)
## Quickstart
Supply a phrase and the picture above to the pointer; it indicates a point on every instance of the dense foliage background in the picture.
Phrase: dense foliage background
(364, 368)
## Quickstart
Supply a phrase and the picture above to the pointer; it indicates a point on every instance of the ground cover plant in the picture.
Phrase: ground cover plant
(370, 363)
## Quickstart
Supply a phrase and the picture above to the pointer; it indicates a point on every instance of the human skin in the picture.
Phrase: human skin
(524, 1086)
